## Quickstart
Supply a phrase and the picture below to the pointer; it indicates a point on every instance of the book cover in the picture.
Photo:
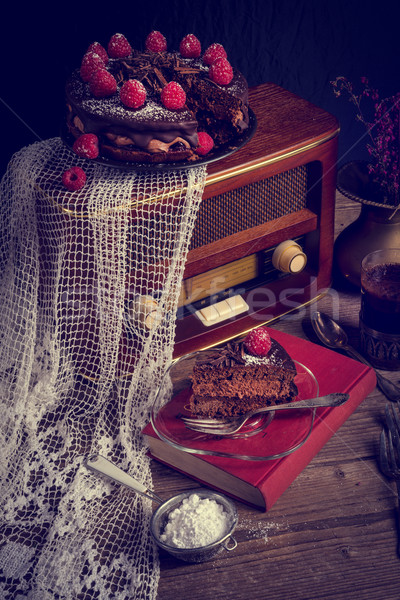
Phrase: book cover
(261, 482)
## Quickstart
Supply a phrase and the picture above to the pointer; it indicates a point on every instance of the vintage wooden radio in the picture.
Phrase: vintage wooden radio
(263, 239)
(262, 243)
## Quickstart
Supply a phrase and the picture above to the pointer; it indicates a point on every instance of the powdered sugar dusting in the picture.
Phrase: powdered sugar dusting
(112, 106)
(273, 358)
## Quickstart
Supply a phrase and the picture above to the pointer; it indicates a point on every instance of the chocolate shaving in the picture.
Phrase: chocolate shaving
(232, 354)
(160, 77)
(187, 70)
(154, 69)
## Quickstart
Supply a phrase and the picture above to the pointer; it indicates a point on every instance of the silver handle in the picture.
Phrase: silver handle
(328, 400)
(99, 464)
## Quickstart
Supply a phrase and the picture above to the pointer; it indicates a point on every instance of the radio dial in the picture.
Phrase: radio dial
(289, 257)
(143, 312)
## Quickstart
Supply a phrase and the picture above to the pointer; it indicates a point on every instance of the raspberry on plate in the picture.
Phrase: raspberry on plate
(102, 84)
(98, 49)
(86, 146)
(91, 62)
(173, 96)
(258, 342)
(221, 71)
(155, 42)
(118, 46)
(133, 93)
(206, 143)
(213, 53)
(190, 46)
(74, 179)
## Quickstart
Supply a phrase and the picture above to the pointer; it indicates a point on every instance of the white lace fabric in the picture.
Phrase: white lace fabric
(75, 379)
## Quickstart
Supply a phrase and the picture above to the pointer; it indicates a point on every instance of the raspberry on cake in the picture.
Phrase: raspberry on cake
(97, 48)
(91, 63)
(183, 95)
(233, 383)
(155, 42)
(258, 342)
(190, 46)
(118, 46)
(102, 84)
(133, 93)
(206, 143)
(86, 146)
(221, 71)
(213, 53)
(173, 96)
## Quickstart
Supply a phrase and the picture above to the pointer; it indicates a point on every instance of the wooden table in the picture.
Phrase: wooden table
(332, 534)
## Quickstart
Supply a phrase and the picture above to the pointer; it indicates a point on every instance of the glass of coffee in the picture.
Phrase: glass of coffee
(380, 308)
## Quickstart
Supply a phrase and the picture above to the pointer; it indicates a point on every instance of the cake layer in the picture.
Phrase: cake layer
(234, 382)
(242, 381)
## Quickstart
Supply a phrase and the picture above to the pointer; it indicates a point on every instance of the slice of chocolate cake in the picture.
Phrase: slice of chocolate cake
(232, 382)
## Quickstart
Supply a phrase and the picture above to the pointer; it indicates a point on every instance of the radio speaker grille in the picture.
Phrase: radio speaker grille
(250, 205)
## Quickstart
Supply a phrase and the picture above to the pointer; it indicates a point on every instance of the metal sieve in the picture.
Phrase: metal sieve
(160, 517)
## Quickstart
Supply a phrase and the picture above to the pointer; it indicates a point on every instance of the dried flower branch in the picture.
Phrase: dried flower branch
(383, 129)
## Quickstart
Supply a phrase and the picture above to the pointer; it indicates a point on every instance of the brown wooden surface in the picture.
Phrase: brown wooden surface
(332, 534)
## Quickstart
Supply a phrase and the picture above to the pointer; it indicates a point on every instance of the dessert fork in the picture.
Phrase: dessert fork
(231, 425)
(389, 453)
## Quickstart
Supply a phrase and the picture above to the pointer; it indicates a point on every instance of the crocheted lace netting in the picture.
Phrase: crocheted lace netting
(80, 362)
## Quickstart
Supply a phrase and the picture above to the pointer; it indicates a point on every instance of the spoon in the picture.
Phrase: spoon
(333, 336)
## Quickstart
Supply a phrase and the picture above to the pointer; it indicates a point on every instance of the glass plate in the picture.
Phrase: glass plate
(268, 436)
(221, 152)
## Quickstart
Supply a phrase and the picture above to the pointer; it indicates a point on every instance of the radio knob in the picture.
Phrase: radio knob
(289, 257)
(143, 312)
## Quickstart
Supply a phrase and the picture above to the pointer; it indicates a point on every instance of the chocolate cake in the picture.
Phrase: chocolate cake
(232, 382)
(153, 132)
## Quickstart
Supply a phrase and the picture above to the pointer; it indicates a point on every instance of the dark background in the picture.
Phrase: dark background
(301, 45)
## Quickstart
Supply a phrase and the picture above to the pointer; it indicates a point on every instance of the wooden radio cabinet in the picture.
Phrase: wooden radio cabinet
(278, 187)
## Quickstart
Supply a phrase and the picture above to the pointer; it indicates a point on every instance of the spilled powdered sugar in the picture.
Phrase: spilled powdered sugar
(260, 530)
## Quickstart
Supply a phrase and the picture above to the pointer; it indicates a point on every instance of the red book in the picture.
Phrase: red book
(261, 482)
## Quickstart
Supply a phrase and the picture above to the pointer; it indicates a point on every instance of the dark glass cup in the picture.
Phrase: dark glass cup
(380, 308)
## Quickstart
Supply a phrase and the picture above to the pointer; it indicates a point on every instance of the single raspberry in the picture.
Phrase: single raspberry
(118, 46)
(221, 72)
(74, 179)
(98, 49)
(155, 42)
(102, 84)
(133, 93)
(173, 96)
(91, 63)
(213, 53)
(86, 146)
(206, 143)
(258, 342)
(190, 46)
